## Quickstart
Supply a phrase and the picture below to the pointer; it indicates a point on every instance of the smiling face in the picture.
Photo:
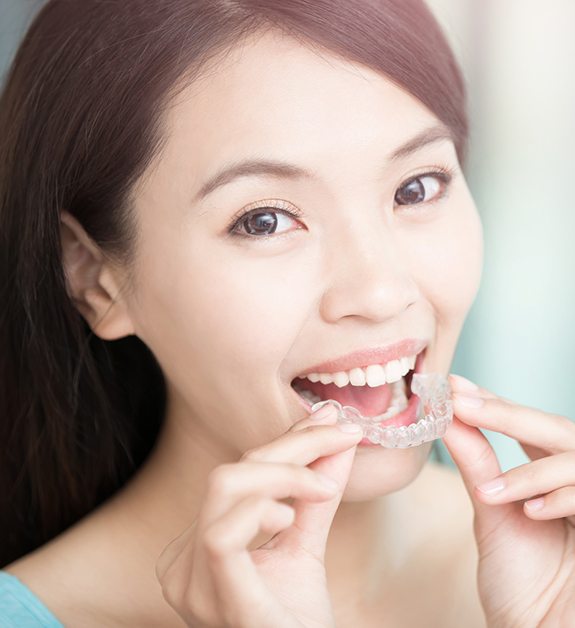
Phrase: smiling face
(347, 250)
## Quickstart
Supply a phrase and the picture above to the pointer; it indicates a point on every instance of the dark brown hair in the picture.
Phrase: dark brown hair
(80, 120)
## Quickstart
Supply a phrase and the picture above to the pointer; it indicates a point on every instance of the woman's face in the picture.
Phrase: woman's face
(235, 313)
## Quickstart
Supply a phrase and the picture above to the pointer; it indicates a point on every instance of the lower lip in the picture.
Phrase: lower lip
(407, 417)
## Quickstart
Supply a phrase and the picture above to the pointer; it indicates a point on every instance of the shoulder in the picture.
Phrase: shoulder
(86, 577)
(63, 575)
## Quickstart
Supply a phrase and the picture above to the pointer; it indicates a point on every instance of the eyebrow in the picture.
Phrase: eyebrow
(284, 170)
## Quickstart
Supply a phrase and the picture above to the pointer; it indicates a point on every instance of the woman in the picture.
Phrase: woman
(202, 203)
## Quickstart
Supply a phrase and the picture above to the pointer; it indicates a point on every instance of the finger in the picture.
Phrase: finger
(234, 573)
(325, 415)
(463, 386)
(477, 462)
(313, 520)
(549, 432)
(532, 478)
(555, 505)
(306, 444)
(233, 532)
(230, 483)
(222, 564)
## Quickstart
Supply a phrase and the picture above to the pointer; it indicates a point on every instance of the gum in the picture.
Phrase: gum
(434, 415)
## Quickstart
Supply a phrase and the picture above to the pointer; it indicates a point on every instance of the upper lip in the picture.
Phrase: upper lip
(373, 355)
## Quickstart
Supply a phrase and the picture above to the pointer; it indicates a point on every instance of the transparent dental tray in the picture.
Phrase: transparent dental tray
(434, 414)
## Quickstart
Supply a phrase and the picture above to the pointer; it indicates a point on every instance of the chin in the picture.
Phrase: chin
(378, 471)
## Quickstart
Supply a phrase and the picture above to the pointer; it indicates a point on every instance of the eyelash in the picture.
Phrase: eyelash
(443, 173)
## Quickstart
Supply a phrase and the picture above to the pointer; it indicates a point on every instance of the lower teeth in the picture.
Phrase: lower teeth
(307, 394)
(397, 405)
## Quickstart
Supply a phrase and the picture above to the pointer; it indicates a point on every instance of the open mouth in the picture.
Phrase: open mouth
(378, 391)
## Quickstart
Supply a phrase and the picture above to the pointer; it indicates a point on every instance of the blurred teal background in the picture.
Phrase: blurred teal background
(517, 56)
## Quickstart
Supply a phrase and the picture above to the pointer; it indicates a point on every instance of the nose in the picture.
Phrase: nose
(368, 278)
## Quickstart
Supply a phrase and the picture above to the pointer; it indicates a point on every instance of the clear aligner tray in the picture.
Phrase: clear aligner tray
(434, 414)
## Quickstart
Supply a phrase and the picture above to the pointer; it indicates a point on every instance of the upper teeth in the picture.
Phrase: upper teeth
(372, 375)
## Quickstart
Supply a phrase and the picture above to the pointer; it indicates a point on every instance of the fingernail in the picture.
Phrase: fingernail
(469, 402)
(325, 412)
(464, 384)
(350, 428)
(490, 488)
(535, 504)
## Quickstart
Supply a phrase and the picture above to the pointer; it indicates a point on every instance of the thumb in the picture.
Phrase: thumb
(313, 520)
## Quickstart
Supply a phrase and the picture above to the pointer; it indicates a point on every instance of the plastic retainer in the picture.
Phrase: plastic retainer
(434, 414)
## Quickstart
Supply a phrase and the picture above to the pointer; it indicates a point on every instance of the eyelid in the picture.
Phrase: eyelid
(272, 203)
(447, 171)
(444, 173)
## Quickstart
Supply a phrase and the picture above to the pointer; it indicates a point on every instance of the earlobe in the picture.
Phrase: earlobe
(91, 283)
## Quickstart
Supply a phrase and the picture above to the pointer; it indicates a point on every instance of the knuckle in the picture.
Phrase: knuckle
(257, 503)
(531, 474)
(213, 543)
(483, 456)
(293, 470)
(252, 455)
(220, 480)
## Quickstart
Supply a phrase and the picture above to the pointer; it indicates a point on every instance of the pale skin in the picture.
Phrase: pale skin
(232, 321)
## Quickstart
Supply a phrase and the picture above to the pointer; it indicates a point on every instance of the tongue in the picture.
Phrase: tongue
(369, 401)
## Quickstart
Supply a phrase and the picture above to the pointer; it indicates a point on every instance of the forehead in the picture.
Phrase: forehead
(274, 97)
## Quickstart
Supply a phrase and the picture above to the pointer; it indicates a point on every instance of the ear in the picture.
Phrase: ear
(91, 282)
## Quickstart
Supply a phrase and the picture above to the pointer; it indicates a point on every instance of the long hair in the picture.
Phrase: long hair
(80, 120)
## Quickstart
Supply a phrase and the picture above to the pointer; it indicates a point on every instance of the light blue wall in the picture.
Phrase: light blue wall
(518, 58)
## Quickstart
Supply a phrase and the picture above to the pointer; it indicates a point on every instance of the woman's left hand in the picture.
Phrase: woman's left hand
(524, 521)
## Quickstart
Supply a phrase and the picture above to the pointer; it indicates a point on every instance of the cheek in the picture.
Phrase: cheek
(256, 308)
(447, 261)
(237, 312)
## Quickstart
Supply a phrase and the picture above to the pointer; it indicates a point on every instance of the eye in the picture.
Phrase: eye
(263, 221)
(423, 188)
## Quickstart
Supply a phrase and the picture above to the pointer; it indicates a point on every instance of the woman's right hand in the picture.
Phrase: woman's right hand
(211, 577)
